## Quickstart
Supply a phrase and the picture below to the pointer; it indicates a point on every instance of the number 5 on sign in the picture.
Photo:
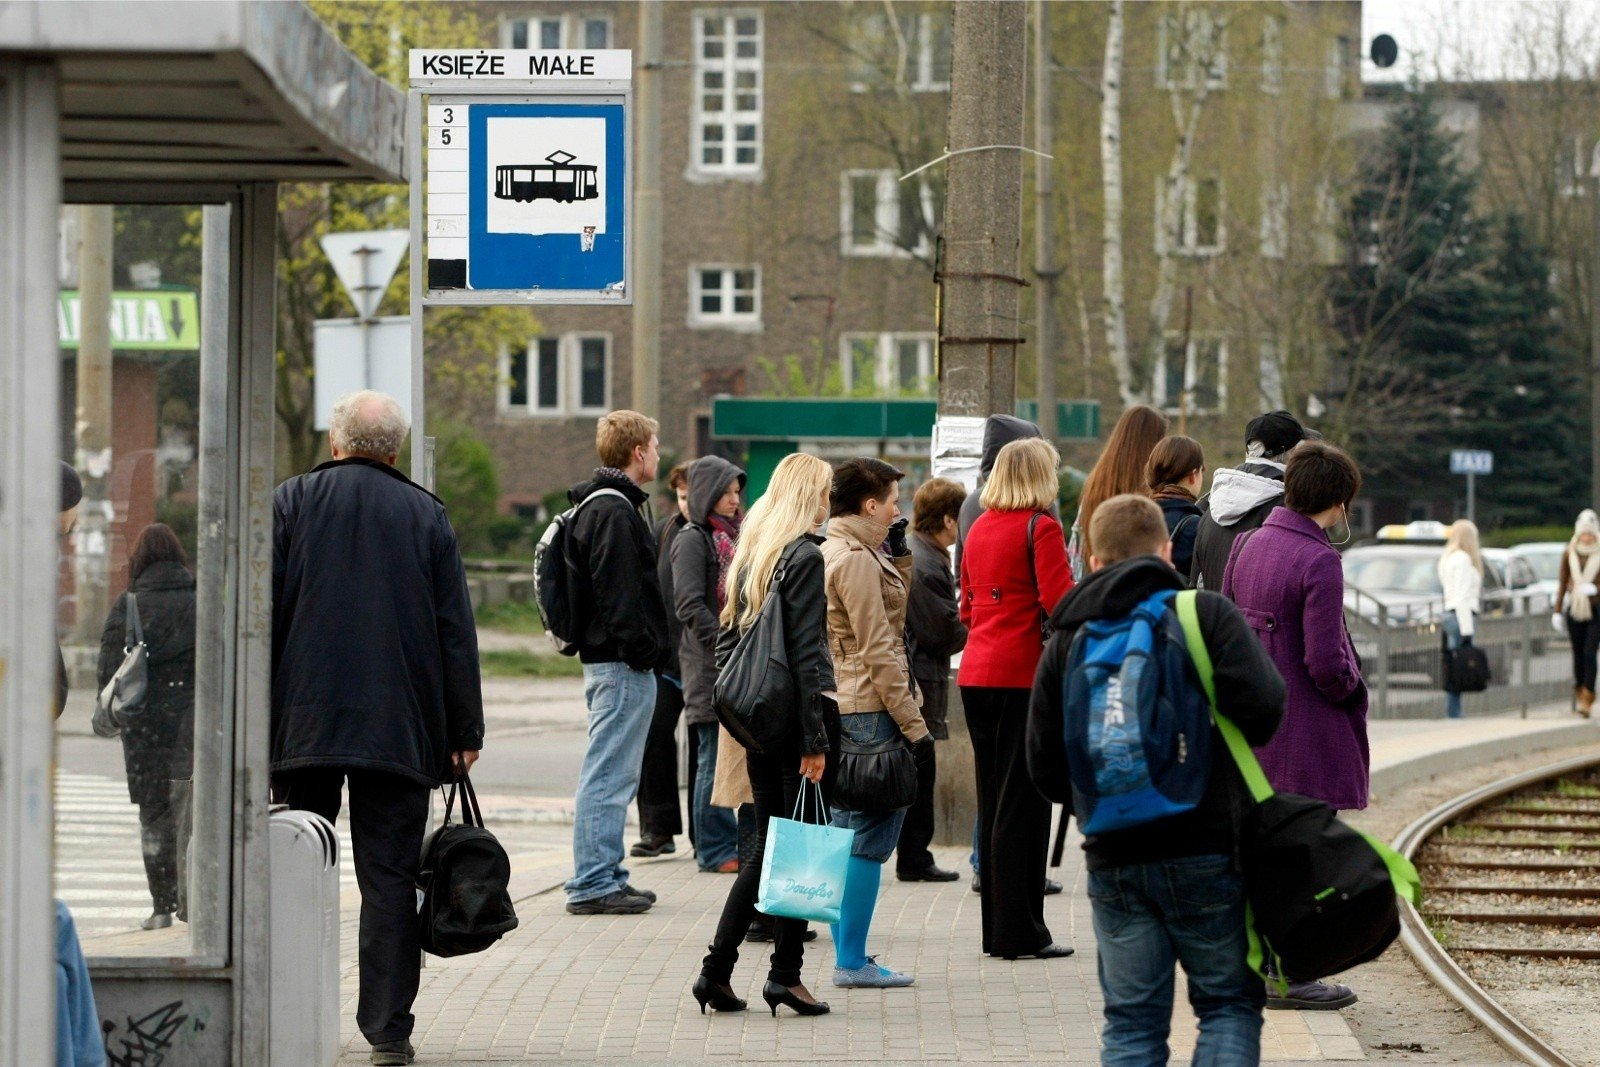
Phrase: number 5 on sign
(447, 137)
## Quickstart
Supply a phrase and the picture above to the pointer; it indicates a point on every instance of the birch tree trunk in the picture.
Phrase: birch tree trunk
(1111, 180)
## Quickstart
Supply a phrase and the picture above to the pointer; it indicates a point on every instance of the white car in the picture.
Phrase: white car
(1521, 578)
(1545, 559)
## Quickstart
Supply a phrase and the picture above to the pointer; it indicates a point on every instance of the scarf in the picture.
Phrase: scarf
(1172, 491)
(1583, 564)
(724, 539)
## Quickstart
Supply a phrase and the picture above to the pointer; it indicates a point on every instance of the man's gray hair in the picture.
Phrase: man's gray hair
(369, 424)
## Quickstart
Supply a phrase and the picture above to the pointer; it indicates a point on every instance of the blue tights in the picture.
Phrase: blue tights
(855, 913)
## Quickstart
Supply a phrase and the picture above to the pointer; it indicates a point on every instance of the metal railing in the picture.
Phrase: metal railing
(1402, 656)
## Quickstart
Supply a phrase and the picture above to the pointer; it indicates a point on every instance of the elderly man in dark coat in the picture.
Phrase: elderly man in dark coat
(375, 680)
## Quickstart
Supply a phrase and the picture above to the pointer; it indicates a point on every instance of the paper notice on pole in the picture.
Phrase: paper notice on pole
(958, 449)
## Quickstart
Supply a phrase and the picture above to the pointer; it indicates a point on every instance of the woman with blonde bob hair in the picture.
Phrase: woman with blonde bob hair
(779, 531)
(1461, 574)
(1013, 573)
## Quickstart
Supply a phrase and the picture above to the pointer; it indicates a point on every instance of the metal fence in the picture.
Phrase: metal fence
(1402, 657)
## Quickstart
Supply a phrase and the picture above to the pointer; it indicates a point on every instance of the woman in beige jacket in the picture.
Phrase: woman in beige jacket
(869, 572)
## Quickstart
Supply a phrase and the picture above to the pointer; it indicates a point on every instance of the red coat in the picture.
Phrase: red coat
(1003, 603)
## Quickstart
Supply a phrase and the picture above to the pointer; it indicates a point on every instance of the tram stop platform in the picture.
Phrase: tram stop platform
(615, 989)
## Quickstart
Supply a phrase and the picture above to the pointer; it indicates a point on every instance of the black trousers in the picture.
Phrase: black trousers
(1585, 637)
(159, 816)
(1013, 823)
(775, 783)
(916, 832)
(388, 817)
(660, 812)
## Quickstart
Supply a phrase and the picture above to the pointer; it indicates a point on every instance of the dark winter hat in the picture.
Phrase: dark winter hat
(1277, 432)
(71, 487)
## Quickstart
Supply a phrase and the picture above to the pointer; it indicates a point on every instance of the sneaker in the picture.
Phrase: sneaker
(644, 893)
(393, 1054)
(159, 920)
(652, 845)
(619, 902)
(870, 976)
(931, 873)
(1312, 996)
(725, 867)
(1051, 887)
(977, 883)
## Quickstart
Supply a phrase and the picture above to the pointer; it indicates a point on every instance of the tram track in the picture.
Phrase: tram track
(1510, 871)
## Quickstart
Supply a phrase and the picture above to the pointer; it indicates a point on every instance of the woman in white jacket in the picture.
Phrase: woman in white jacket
(1578, 599)
(1461, 574)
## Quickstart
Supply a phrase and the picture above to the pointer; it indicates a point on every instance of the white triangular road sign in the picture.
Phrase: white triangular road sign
(365, 262)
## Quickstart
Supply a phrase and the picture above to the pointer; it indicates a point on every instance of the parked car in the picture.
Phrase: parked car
(1403, 578)
(1545, 559)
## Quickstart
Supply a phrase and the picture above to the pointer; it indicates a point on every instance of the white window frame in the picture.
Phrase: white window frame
(1216, 77)
(570, 28)
(1334, 75)
(919, 63)
(1329, 250)
(887, 215)
(1274, 219)
(1269, 369)
(886, 381)
(726, 319)
(1272, 27)
(1188, 226)
(729, 117)
(1174, 405)
(569, 377)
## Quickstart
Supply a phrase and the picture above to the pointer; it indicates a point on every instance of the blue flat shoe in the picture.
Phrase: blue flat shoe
(870, 976)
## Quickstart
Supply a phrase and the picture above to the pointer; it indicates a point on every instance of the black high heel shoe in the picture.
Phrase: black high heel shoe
(719, 997)
(775, 994)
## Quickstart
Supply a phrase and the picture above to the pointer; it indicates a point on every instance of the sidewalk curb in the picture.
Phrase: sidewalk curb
(1407, 772)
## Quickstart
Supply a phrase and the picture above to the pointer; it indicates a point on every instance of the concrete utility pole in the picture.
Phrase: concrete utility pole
(983, 209)
(93, 458)
(1594, 335)
(1045, 270)
(980, 324)
(647, 214)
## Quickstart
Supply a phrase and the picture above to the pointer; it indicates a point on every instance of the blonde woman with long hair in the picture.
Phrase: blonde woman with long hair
(1461, 574)
(780, 529)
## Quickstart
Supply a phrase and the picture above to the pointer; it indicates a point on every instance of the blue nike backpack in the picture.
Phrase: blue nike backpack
(1137, 722)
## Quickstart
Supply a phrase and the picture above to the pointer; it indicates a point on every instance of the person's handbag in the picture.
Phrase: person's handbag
(755, 694)
(875, 776)
(1466, 669)
(125, 693)
(464, 880)
(1322, 895)
(804, 864)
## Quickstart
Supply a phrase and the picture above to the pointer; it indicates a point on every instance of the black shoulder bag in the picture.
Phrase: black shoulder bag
(464, 878)
(755, 695)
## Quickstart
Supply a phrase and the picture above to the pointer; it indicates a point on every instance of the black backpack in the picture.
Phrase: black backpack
(552, 578)
(464, 879)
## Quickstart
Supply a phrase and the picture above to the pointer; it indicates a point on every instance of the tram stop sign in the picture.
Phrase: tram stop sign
(1469, 461)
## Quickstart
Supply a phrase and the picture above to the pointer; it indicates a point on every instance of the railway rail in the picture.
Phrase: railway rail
(1511, 871)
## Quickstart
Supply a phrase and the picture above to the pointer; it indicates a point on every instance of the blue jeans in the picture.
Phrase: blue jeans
(621, 703)
(716, 830)
(877, 832)
(1452, 641)
(1188, 910)
(78, 1040)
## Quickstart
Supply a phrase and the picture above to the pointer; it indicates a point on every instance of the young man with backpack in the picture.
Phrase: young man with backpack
(617, 625)
(1164, 889)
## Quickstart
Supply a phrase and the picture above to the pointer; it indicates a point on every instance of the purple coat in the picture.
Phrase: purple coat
(1288, 582)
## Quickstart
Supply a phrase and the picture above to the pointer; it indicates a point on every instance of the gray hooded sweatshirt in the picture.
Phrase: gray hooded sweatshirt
(998, 431)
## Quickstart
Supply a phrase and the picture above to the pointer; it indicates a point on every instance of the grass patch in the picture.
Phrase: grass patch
(520, 663)
(512, 616)
(1576, 790)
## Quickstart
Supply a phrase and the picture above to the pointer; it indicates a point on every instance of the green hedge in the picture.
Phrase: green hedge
(1516, 535)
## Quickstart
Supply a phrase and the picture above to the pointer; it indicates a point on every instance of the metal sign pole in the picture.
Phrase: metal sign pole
(417, 259)
(1472, 498)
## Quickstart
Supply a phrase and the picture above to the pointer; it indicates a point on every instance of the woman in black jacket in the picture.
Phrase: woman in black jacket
(782, 525)
(158, 740)
(1173, 476)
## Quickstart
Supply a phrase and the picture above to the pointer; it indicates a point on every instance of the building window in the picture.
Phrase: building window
(727, 106)
(1329, 248)
(1333, 74)
(1192, 379)
(1200, 44)
(557, 31)
(1272, 55)
(1275, 220)
(1573, 168)
(565, 375)
(1200, 229)
(1270, 370)
(880, 216)
(887, 364)
(725, 296)
(913, 50)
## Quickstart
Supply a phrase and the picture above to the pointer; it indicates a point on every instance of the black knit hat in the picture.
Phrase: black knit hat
(1278, 431)
(71, 487)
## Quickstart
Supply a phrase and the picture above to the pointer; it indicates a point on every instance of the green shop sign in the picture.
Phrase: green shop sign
(141, 319)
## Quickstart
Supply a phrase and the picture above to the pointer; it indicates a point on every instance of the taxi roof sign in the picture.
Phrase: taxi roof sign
(1418, 531)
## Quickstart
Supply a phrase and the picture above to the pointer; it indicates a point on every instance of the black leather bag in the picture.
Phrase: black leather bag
(1466, 669)
(464, 879)
(881, 776)
(755, 695)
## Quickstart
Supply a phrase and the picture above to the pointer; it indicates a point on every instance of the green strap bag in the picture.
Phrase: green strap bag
(1321, 895)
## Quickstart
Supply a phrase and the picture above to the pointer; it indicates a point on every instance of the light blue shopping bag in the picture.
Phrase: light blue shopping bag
(803, 868)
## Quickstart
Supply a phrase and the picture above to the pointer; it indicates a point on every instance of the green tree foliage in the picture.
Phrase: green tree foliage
(468, 483)
(1528, 405)
(1412, 306)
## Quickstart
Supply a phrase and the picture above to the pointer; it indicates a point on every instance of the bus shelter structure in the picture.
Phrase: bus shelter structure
(209, 104)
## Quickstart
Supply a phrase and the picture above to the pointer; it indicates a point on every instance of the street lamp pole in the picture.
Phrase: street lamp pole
(1594, 332)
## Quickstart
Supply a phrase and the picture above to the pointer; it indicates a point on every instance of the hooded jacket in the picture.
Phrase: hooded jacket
(998, 431)
(664, 532)
(933, 621)
(614, 555)
(694, 586)
(1183, 522)
(1240, 499)
(1249, 691)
